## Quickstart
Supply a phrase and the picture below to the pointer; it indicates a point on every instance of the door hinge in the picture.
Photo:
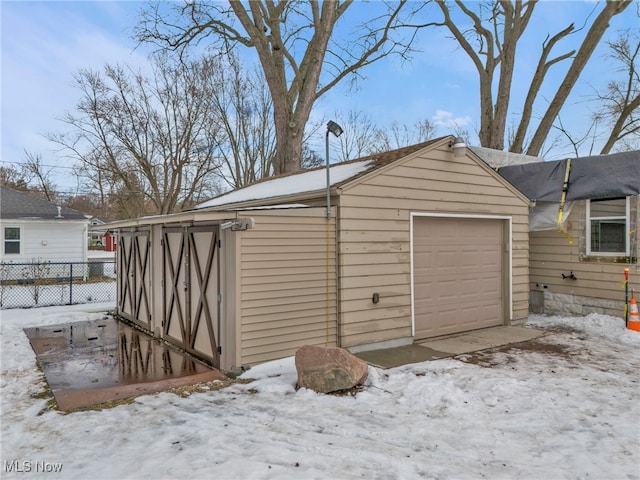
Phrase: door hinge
(219, 243)
(219, 350)
(219, 298)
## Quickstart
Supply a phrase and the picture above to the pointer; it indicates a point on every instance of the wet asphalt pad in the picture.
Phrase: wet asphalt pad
(99, 361)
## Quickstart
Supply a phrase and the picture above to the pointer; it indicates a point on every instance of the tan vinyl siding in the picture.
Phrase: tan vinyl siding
(520, 267)
(374, 241)
(283, 284)
(551, 255)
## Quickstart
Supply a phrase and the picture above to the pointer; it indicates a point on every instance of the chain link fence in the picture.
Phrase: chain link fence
(41, 284)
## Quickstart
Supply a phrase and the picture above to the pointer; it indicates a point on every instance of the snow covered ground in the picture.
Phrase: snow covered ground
(27, 293)
(20, 296)
(567, 409)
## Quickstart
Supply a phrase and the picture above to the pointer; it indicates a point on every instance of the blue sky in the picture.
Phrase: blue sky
(44, 44)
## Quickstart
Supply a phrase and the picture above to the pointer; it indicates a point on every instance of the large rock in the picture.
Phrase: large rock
(328, 370)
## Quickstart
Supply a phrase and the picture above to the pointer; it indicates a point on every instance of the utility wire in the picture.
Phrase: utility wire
(42, 165)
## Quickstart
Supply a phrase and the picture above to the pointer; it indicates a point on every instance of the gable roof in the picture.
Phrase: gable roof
(20, 205)
(594, 177)
(311, 181)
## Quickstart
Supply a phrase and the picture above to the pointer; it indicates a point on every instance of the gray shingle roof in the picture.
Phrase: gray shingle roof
(15, 205)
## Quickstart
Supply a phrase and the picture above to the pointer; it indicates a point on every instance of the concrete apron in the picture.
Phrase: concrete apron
(99, 361)
(450, 346)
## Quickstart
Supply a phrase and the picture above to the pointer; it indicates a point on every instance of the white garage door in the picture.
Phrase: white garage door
(458, 274)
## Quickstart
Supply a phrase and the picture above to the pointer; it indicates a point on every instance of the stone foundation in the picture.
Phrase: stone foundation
(575, 305)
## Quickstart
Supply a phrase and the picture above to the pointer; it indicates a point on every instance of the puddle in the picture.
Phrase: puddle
(107, 353)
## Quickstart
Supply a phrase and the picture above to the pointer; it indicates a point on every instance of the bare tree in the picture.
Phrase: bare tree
(616, 120)
(128, 199)
(144, 133)
(363, 137)
(294, 43)
(621, 101)
(581, 143)
(400, 135)
(13, 178)
(101, 184)
(491, 44)
(242, 103)
(87, 203)
(359, 135)
(34, 170)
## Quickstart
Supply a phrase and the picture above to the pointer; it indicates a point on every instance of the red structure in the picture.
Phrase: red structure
(110, 242)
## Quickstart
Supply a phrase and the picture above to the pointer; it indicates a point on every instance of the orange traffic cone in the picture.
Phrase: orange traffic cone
(634, 317)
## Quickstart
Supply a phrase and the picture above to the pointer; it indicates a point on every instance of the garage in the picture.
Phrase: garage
(418, 242)
(458, 274)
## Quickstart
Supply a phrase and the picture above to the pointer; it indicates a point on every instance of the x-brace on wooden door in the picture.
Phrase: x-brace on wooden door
(134, 276)
(191, 283)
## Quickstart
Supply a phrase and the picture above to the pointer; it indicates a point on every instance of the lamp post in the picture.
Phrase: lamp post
(336, 129)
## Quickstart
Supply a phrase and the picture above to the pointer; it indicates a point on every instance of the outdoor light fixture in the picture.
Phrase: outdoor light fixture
(459, 147)
(336, 129)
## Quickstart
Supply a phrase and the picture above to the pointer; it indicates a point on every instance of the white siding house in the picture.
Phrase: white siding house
(36, 230)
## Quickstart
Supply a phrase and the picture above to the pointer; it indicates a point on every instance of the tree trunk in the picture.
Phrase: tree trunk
(291, 104)
(515, 23)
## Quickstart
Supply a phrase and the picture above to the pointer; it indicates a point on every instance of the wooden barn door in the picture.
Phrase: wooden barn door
(134, 276)
(191, 282)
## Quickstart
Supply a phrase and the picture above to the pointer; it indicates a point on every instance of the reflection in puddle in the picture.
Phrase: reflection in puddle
(105, 353)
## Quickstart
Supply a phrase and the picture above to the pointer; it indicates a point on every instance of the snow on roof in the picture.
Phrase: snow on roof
(314, 180)
(310, 181)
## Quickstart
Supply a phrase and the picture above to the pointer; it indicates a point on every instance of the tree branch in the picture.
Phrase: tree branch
(589, 44)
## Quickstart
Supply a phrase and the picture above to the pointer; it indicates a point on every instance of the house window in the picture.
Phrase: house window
(607, 222)
(11, 240)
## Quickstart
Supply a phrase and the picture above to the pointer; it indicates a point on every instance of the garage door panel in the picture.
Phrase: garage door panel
(427, 261)
(458, 279)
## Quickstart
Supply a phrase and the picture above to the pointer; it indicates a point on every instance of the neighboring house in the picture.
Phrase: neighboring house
(96, 235)
(583, 231)
(420, 242)
(101, 238)
(36, 230)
